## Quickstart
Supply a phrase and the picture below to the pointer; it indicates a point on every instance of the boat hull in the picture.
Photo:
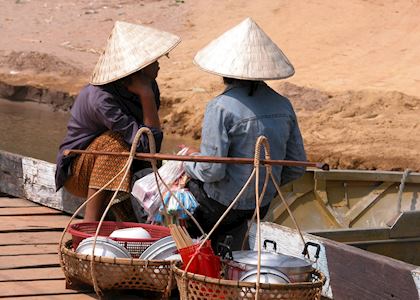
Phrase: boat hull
(365, 209)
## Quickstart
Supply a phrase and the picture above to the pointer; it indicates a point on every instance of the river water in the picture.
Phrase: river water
(35, 130)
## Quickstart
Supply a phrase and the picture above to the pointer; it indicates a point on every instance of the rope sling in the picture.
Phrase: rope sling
(261, 142)
(125, 169)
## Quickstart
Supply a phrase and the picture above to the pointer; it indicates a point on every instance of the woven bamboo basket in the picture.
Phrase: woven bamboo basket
(118, 273)
(198, 287)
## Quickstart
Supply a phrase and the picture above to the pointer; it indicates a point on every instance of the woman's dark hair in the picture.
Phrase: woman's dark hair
(252, 84)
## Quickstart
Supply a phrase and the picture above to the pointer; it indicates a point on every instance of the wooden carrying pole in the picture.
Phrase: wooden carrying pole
(210, 159)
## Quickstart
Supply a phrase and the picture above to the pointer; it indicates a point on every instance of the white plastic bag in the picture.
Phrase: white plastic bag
(145, 189)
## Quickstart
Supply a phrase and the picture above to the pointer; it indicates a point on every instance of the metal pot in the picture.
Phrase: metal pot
(296, 269)
(267, 275)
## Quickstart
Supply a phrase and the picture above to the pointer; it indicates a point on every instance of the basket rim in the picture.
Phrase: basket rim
(66, 250)
(80, 234)
(234, 283)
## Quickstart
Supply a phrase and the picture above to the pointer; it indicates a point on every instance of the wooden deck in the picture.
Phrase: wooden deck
(29, 265)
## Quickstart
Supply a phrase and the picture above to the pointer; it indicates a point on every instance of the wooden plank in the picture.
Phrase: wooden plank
(55, 290)
(32, 222)
(90, 296)
(28, 249)
(20, 211)
(366, 202)
(33, 179)
(28, 261)
(11, 174)
(360, 175)
(359, 274)
(15, 202)
(14, 238)
(138, 296)
(31, 274)
(38, 287)
(39, 186)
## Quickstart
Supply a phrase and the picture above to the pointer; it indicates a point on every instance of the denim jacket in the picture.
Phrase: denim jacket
(232, 123)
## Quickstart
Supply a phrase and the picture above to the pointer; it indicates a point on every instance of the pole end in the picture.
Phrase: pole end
(323, 166)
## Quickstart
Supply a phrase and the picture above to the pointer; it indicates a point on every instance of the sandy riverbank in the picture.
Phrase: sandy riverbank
(357, 84)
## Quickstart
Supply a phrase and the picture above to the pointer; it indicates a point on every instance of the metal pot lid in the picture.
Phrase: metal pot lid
(104, 247)
(267, 275)
(160, 245)
(163, 252)
(273, 260)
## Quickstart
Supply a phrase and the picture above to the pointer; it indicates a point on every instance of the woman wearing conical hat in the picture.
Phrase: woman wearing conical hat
(248, 108)
(122, 97)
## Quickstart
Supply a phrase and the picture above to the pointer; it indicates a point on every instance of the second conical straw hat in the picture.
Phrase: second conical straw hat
(131, 47)
(244, 52)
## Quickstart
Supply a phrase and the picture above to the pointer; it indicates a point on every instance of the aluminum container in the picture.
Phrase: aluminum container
(104, 247)
(296, 269)
(267, 275)
(160, 250)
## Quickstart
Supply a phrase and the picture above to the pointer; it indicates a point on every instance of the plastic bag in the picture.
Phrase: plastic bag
(174, 209)
(145, 189)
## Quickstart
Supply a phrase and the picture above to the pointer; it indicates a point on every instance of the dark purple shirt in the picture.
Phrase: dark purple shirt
(96, 110)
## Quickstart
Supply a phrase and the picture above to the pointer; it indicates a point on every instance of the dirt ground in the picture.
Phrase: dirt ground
(356, 90)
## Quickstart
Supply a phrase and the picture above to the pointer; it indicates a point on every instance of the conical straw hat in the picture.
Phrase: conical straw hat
(131, 47)
(244, 52)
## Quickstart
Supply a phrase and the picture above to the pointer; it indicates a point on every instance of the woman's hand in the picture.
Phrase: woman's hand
(190, 150)
(141, 85)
